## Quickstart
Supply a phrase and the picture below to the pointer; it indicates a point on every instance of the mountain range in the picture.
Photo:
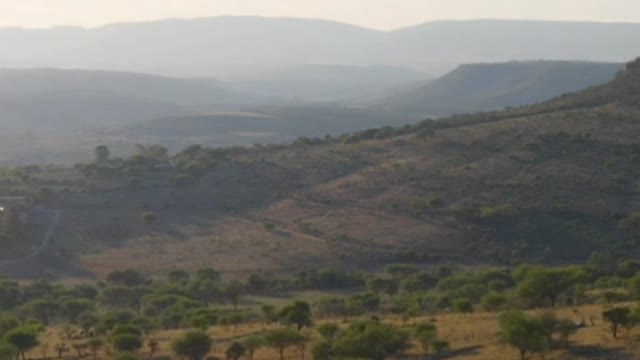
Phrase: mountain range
(233, 47)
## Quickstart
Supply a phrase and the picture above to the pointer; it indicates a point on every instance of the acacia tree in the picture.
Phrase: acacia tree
(281, 339)
(620, 316)
(23, 338)
(426, 334)
(522, 332)
(235, 351)
(72, 308)
(8, 351)
(232, 292)
(370, 340)
(298, 313)
(252, 344)
(42, 309)
(547, 284)
(193, 345)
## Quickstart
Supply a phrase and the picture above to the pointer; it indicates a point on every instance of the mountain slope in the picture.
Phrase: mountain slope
(552, 182)
(228, 46)
(484, 87)
(47, 99)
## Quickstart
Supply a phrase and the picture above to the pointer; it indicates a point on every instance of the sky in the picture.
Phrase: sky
(378, 14)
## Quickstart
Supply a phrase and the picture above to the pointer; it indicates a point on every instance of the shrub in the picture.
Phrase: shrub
(126, 342)
(371, 340)
(193, 345)
(149, 217)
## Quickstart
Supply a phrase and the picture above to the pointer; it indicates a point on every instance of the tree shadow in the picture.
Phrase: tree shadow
(465, 351)
(597, 352)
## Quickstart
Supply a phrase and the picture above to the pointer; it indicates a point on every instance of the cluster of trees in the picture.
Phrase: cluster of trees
(185, 166)
(127, 307)
(534, 333)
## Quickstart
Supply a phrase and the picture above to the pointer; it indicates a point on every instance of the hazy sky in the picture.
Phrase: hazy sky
(382, 14)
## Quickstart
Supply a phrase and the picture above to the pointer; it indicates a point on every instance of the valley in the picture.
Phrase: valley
(279, 188)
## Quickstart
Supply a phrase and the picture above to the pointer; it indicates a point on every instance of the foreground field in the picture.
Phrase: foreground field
(471, 337)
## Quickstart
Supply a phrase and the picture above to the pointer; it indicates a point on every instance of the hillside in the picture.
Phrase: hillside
(552, 182)
(69, 100)
(471, 88)
(232, 46)
(485, 87)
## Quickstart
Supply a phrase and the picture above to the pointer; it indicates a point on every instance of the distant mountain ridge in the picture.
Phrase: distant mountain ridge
(485, 87)
(228, 46)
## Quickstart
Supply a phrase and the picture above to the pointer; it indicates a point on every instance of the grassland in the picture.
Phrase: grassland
(471, 337)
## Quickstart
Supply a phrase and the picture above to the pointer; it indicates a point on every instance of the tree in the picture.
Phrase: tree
(493, 301)
(232, 292)
(378, 285)
(617, 317)
(235, 351)
(281, 339)
(126, 329)
(126, 342)
(193, 345)
(549, 322)
(119, 296)
(546, 284)
(61, 349)
(298, 313)
(269, 313)
(322, 351)
(329, 331)
(72, 308)
(42, 309)
(23, 338)
(152, 345)
(426, 334)
(633, 285)
(252, 344)
(463, 306)
(95, 344)
(87, 320)
(149, 217)
(8, 351)
(371, 340)
(206, 290)
(565, 328)
(7, 324)
(522, 332)
(101, 153)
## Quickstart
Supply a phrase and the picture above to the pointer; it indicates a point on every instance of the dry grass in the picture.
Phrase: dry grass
(472, 337)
